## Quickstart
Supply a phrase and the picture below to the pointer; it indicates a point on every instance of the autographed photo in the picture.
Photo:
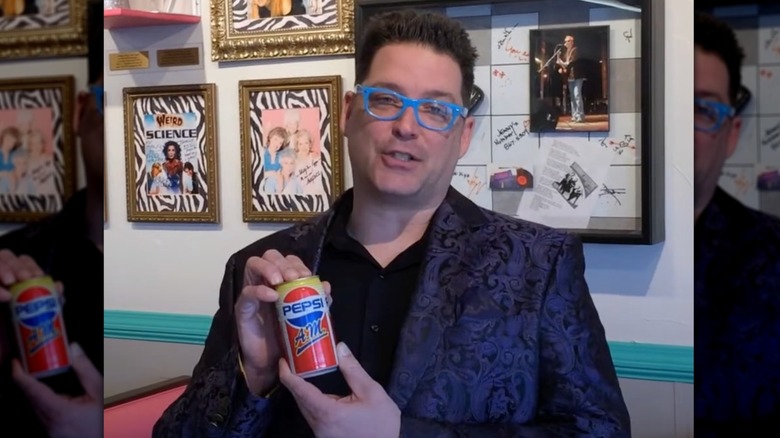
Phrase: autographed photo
(37, 168)
(290, 147)
(171, 155)
(36, 28)
(569, 79)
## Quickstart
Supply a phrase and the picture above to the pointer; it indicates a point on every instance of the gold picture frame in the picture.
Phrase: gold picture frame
(282, 179)
(240, 31)
(36, 112)
(171, 153)
(48, 28)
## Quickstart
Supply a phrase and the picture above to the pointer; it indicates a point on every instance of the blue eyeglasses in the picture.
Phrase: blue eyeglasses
(384, 104)
(709, 115)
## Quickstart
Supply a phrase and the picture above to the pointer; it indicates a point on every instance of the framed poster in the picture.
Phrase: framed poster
(170, 153)
(37, 154)
(597, 173)
(290, 147)
(253, 29)
(42, 28)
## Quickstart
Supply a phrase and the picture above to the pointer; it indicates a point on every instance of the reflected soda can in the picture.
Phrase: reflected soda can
(306, 329)
(39, 326)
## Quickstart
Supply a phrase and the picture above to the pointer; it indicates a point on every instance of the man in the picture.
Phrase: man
(568, 68)
(69, 247)
(452, 319)
(737, 293)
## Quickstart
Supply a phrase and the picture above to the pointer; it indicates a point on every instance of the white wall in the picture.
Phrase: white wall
(29, 68)
(644, 293)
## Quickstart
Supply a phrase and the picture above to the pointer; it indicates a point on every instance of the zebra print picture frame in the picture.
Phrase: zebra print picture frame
(255, 29)
(42, 28)
(37, 165)
(290, 147)
(170, 151)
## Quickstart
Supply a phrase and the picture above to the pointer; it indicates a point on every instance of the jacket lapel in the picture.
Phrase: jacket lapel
(434, 305)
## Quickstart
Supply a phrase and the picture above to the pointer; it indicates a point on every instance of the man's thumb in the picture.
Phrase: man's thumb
(89, 376)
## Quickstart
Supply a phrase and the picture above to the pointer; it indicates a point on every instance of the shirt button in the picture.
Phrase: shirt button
(381, 276)
(375, 328)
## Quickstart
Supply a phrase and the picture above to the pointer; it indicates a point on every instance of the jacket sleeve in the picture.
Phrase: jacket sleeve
(578, 384)
(579, 395)
(217, 402)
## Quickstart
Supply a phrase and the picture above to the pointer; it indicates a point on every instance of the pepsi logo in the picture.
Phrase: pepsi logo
(35, 307)
(303, 306)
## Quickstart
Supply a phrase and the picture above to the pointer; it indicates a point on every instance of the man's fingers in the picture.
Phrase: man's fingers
(361, 384)
(251, 298)
(328, 296)
(90, 378)
(4, 295)
(308, 397)
(15, 268)
(40, 395)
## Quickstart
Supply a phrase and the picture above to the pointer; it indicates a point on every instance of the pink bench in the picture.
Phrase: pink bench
(132, 414)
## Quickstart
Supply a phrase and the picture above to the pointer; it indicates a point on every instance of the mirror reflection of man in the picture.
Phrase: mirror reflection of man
(736, 259)
(568, 68)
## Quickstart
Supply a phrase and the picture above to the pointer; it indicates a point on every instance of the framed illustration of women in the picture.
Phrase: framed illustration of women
(290, 147)
(253, 29)
(42, 28)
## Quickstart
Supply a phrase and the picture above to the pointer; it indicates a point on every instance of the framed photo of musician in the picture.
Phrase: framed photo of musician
(42, 28)
(37, 144)
(290, 147)
(596, 169)
(569, 79)
(255, 29)
(170, 153)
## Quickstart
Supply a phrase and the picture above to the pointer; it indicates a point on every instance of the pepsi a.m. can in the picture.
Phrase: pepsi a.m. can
(40, 328)
(306, 329)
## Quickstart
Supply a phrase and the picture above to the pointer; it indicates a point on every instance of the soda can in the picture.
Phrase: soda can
(306, 329)
(40, 329)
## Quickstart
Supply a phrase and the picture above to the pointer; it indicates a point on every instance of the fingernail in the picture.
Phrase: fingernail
(75, 350)
(276, 279)
(343, 350)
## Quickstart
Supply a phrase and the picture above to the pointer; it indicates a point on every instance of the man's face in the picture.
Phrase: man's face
(711, 149)
(399, 158)
(568, 41)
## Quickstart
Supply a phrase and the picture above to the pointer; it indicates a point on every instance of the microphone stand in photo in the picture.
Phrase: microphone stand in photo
(546, 64)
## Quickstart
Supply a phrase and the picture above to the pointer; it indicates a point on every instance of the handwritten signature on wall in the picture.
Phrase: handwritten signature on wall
(628, 34)
(771, 137)
(619, 146)
(511, 134)
(506, 43)
(741, 181)
(772, 43)
(473, 181)
(606, 191)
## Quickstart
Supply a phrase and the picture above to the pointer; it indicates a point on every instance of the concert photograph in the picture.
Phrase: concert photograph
(569, 79)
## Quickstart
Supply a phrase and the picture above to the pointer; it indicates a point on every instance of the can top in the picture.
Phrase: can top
(303, 281)
(43, 281)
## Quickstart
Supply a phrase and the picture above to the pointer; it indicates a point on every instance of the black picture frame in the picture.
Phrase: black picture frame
(648, 84)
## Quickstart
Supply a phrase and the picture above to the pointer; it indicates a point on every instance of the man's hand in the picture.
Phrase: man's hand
(369, 411)
(256, 318)
(64, 417)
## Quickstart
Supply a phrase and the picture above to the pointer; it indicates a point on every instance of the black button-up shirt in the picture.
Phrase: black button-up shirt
(369, 302)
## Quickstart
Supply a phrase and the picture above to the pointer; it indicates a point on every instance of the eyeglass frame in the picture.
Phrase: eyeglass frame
(457, 110)
(723, 111)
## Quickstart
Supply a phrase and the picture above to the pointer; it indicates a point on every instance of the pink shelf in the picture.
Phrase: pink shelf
(119, 17)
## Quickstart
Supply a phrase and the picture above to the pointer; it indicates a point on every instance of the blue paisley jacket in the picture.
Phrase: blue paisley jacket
(737, 324)
(502, 339)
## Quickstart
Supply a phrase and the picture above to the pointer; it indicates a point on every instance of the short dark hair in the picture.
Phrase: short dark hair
(716, 37)
(430, 29)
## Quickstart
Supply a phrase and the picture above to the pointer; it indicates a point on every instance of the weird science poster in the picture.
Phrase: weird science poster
(171, 149)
